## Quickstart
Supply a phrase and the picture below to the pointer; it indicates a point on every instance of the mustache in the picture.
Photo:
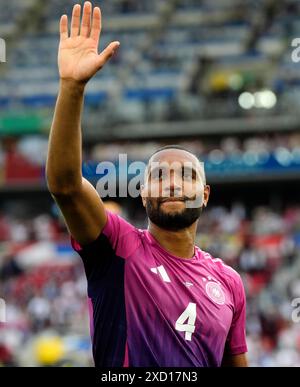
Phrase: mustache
(191, 202)
(163, 199)
(172, 199)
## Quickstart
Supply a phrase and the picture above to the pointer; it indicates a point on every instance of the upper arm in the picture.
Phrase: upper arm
(84, 212)
(236, 338)
(235, 360)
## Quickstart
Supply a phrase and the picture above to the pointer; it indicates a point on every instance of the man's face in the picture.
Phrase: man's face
(174, 192)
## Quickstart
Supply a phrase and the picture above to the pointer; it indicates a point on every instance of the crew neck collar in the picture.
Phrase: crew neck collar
(154, 242)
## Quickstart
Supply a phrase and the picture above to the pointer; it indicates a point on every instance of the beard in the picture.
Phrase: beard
(173, 221)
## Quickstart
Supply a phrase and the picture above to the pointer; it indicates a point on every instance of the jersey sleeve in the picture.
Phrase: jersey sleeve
(104, 258)
(121, 236)
(236, 339)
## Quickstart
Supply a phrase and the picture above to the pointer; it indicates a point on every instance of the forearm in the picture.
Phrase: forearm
(63, 167)
(235, 360)
(78, 61)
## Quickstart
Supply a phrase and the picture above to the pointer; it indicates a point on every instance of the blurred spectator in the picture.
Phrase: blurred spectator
(42, 297)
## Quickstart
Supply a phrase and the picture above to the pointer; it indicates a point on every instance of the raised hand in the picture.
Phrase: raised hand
(78, 58)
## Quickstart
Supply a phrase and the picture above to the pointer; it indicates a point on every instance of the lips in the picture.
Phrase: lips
(172, 200)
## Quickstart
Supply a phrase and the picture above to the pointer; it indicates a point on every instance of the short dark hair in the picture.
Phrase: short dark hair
(173, 146)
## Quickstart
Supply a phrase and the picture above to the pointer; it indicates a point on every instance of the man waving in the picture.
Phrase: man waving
(155, 298)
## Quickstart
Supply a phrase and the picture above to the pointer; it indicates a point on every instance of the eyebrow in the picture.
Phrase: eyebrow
(156, 169)
(190, 170)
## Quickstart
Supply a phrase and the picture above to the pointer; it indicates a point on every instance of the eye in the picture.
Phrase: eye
(187, 177)
(162, 174)
(155, 176)
(158, 174)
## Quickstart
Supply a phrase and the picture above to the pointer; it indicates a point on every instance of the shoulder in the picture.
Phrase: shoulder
(117, 228)
(230, 277)
(121, 235)
(218, 266)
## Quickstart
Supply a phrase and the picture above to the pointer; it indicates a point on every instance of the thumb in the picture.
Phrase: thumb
(107, 53)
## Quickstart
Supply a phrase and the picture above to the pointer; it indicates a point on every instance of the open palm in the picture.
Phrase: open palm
(78, 57)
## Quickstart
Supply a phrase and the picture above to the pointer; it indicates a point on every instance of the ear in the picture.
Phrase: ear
(206, 195)
(143, 195)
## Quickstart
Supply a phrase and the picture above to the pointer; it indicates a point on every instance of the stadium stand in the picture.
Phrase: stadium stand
(215, 76)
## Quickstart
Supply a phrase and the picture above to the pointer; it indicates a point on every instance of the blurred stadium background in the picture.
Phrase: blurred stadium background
(213, 75)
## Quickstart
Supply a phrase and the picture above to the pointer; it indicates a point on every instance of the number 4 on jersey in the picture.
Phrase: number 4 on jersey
(190, 315)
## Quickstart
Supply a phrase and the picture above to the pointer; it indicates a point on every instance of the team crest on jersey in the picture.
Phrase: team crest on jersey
(215, 292)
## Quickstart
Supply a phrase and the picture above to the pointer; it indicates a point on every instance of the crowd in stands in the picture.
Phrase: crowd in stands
(44, 286)
(178, 59)
(185, 61)
(22, 160)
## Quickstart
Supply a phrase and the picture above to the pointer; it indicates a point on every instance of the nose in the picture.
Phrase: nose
(175, 185)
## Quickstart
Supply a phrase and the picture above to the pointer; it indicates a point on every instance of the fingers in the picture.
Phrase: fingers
(107, 53)
(87, 28)
(96, 25)
(63, 27)
(86, 20)
(75, 23)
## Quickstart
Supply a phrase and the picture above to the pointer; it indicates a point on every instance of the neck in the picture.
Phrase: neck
(180, 243)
